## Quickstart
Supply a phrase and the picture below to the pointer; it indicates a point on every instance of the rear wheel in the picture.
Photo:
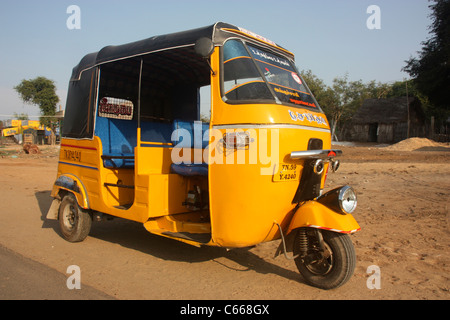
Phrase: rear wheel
(325, 259)
(75, 222)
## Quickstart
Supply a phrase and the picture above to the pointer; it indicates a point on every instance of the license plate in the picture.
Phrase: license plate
(286, 172)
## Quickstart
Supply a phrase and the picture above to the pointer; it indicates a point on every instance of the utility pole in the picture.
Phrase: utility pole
(407, 108)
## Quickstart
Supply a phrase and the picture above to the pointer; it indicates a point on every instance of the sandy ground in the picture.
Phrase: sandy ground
(403, 211)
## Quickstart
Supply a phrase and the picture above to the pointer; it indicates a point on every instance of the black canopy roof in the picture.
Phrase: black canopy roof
(214, 32)
(161, 42)
(80, 106)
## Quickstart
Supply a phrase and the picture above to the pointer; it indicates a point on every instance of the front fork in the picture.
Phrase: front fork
(311, 246)
(308, 239)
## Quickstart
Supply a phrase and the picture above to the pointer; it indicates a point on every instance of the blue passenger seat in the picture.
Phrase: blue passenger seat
(189, 134)
(118, 140)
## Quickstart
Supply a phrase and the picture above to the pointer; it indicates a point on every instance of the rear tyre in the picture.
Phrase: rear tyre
(328, 266)
(75, 222)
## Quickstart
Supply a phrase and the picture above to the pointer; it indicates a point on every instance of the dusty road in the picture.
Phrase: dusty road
(402, 209)
(24, 279)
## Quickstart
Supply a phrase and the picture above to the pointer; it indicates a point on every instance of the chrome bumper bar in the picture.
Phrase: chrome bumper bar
(315, 154)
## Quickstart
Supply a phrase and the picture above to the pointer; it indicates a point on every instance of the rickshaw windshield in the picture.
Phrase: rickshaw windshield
(256, 74)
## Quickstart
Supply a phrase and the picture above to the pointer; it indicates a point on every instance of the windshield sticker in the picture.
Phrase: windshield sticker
(306, 116)
(115, 108)
(286, 92)
(293, 96)
(269, 58)
(303, 103)
(296, 78)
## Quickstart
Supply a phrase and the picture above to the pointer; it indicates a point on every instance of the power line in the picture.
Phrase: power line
(15, 116)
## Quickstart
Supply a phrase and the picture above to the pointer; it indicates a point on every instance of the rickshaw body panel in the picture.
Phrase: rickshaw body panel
(245, 201)
(245, 198)
(156, 192)
(79, 162)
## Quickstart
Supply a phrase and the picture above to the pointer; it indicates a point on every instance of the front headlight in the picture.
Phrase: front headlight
(342, 200)
(347, 199)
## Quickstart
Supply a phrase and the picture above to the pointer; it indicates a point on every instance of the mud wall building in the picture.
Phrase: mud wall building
(386, 120)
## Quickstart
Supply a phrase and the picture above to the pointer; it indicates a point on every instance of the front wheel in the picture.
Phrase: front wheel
(325, 259)
(74, 221)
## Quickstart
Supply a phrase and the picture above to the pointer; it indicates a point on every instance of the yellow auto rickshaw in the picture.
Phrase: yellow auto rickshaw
(210, 137)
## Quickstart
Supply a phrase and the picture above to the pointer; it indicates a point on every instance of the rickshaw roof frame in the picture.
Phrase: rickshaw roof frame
(217, 32)
(79, 111)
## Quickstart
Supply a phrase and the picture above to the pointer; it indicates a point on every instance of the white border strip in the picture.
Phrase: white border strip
(269, 126)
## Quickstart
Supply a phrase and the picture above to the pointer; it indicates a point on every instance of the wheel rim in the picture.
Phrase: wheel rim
(319, 262)
(69, 217)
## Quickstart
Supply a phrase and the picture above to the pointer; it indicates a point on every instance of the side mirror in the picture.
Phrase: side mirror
(204, 47)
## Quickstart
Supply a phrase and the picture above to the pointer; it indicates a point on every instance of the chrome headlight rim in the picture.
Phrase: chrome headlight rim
(347, 199)
(342, 200)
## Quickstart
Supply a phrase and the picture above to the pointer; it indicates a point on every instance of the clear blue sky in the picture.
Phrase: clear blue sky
(330, 37)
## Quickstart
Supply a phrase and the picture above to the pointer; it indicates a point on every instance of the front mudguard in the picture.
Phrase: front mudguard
(313, 214)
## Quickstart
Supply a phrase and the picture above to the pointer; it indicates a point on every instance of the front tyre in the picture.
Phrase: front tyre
(325, 263)
(75, 222)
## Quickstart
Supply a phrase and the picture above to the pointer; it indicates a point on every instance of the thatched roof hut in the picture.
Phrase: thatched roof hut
(386, 120)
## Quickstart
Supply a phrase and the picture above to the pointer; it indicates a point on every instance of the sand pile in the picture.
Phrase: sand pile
(417, 144)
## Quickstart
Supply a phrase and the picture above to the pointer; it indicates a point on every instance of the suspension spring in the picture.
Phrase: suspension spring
(303, 242)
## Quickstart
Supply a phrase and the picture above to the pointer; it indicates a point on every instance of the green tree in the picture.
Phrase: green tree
(21, 116)
(316, 85)
(41, 92)
(431, 69)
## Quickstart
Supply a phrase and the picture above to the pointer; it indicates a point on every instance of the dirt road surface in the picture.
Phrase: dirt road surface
(402, 209)
(24, 279)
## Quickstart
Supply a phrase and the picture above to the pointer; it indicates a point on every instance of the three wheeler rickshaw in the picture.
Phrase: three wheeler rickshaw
(136, 144)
